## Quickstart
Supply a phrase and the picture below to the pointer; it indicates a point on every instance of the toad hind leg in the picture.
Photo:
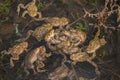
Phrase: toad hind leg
(32, 67)
(39, 16)
(26, 71)
(29, 33)
(96, 67)
(93, 56)
(11, 60)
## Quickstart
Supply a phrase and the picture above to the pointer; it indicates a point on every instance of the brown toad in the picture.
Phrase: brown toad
(70, 50)
(63, 44)
(76, 36)
(49, 35)
(65, 40)
(40, 32)
(82, 57)
(59, 46)
(30, 9)
(15, 51)
(55, 36)
(96, 43)
(36, 55)
(56, 21)
(60, 73)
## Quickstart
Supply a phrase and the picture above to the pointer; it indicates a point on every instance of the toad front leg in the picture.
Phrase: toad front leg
(29, 33)
(13, 58)
(26, 71)
(40, 65)
(93, 56)
(39, 16)
(20, 6)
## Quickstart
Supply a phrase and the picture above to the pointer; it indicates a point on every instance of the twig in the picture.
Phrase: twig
(27, 24)
(112, 71)
(68, 26)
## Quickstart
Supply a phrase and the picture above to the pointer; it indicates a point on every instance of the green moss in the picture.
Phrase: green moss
(40, 5)
(103, 54)
(94, 1)
(4, 10)
(80, 26)
(4, 6)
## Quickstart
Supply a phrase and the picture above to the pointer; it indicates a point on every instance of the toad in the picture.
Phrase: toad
(76, 36)
(56, 21)
(70, 50)
(36, 55)
(30, 9)
(65, 40)
(63, 44)
(96, 43)
(15, 51)
(49, 35)
(60, 73)
(58, 44)
(40, 32)
(82, 57)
